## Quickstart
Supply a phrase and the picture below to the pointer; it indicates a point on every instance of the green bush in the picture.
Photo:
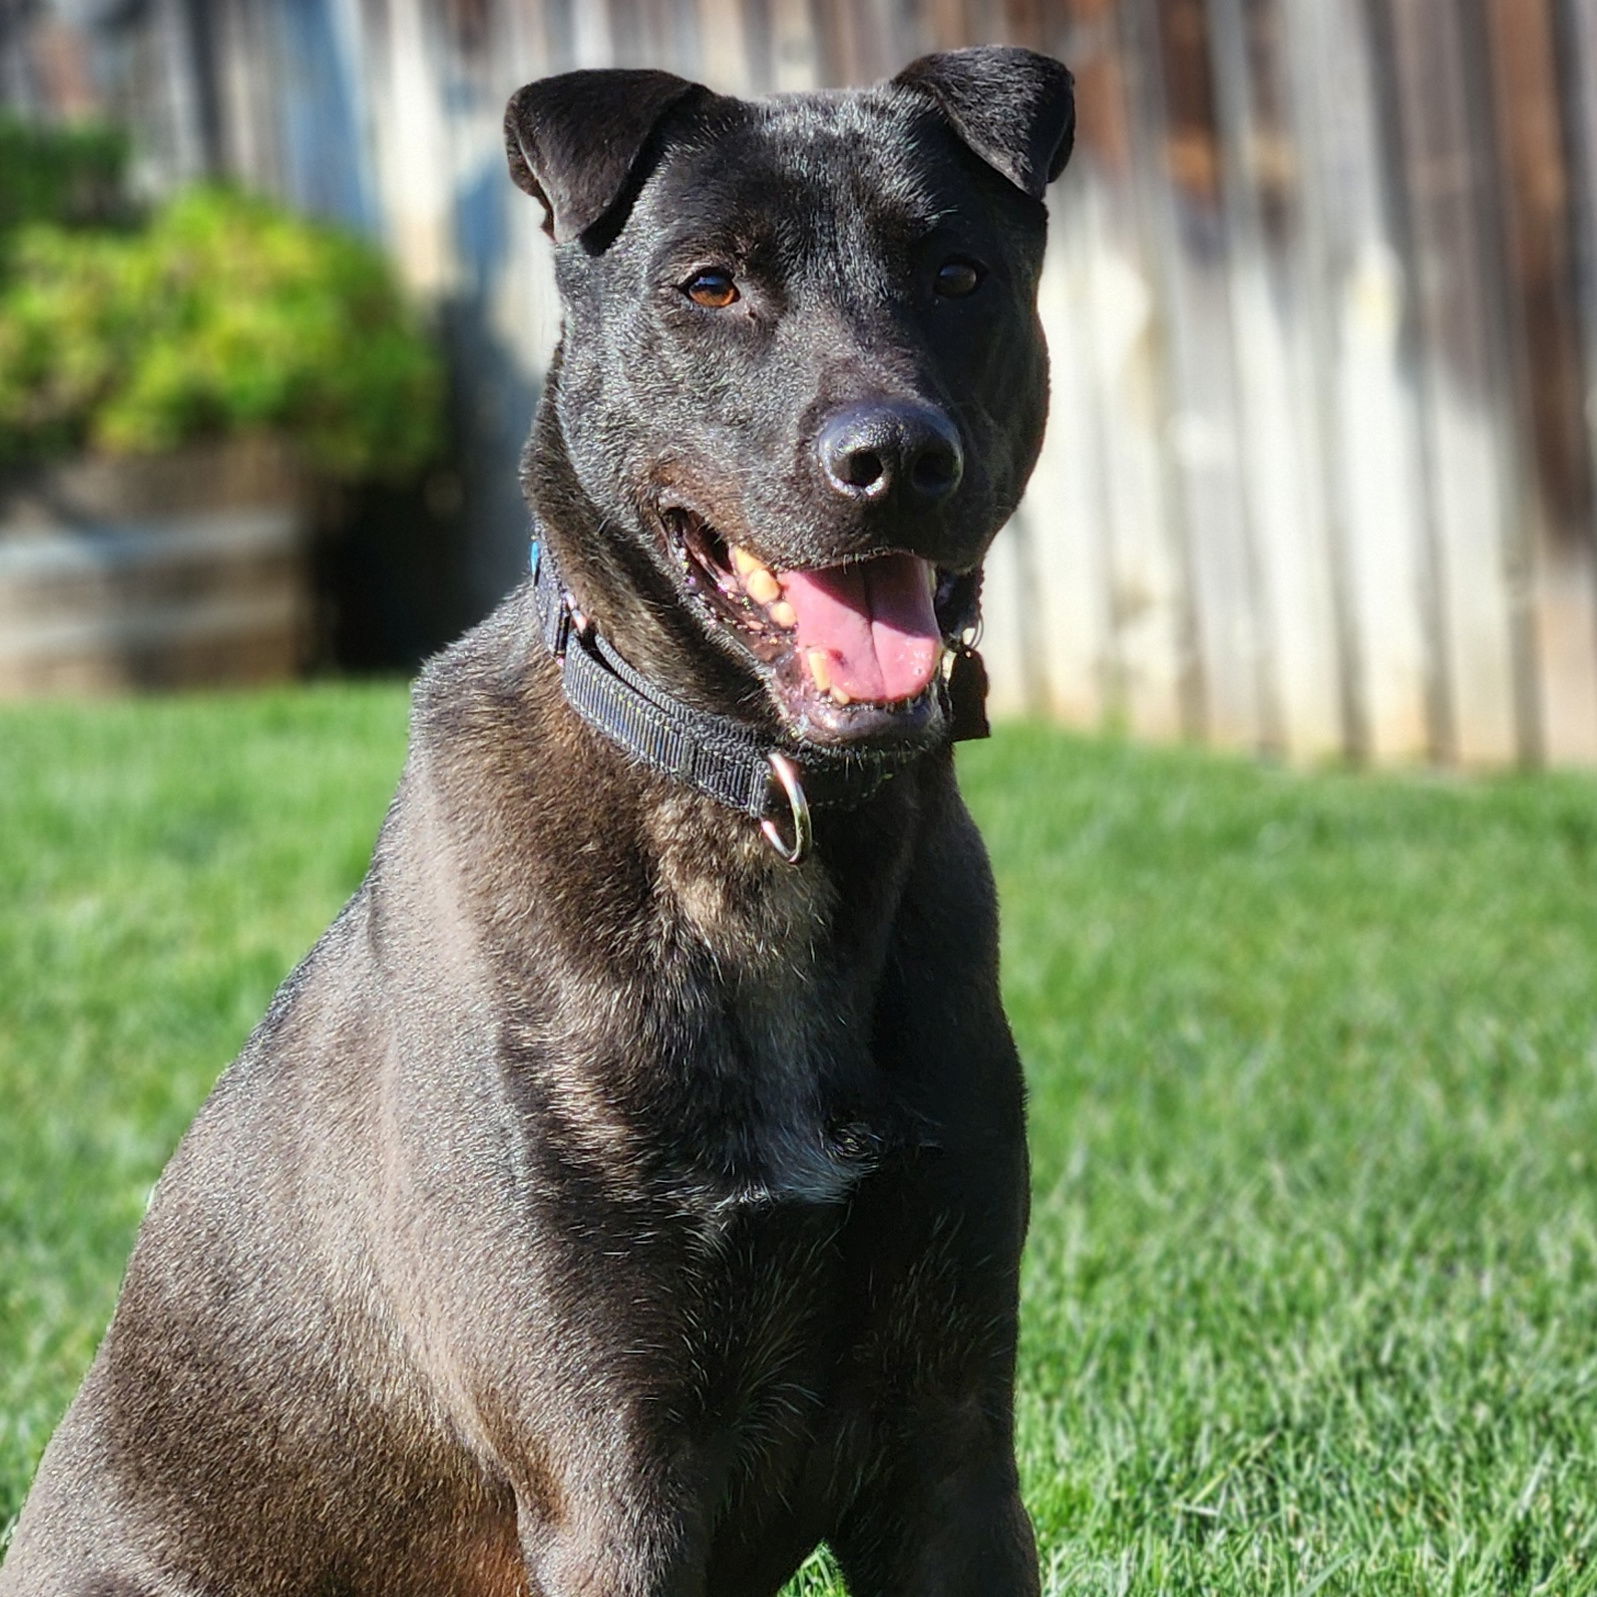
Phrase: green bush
(221, 316)
(61, 174)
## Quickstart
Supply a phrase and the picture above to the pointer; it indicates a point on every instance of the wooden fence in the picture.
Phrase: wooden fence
(1321, 298)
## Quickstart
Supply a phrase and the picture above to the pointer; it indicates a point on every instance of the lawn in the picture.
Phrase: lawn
(1311, 1303)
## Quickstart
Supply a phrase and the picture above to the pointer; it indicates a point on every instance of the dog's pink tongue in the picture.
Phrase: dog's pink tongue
(875, 623)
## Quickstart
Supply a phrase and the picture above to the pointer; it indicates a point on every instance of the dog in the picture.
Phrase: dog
(626, 1195)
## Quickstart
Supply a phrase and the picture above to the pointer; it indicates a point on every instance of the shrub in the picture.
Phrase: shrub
(61, 174)
(222, 315)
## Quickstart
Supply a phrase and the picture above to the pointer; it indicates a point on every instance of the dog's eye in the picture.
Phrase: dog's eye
(957, 277)
(714, 290)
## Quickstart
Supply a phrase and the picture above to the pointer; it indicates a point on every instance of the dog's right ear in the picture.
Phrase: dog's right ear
(1015, 108)
(573, 140)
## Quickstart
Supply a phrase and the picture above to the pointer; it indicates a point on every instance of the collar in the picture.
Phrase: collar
(724, 758)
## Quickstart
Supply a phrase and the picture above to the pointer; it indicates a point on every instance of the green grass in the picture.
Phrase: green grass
(1311, 1297)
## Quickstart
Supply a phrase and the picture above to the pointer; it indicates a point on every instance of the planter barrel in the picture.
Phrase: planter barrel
(175, 571)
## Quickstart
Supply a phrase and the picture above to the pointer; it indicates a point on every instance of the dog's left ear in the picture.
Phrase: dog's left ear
(573, 140)
(1015, 108)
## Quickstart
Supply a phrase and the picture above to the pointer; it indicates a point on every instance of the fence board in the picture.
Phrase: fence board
(1063, 506)
(1007, 603)
(1355, 274)
(727, 63)
(249, 132)
(1555, 490)
(952, 24)
(1187, 248)
(1577, 53)
(796, 52)
(1148, 656)
(1297, 645)
(411, 151)
(1461, 412)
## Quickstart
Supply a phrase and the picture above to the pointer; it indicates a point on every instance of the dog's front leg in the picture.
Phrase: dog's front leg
(942, 1518)
(598, 1560)
(595, 1541)
(609, 1482)
(938, 1512)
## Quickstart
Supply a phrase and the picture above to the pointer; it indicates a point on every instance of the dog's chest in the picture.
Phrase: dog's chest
(781, 1020)
(793, 1143)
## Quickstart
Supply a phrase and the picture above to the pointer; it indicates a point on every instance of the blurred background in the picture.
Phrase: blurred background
(1321, 298)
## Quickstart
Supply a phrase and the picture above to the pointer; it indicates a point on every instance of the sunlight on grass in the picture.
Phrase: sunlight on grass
(1311, 1295)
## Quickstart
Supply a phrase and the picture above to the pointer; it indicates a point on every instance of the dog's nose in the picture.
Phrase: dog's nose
(903, 450)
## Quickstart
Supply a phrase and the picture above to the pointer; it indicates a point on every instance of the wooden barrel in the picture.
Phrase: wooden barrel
(187, 572)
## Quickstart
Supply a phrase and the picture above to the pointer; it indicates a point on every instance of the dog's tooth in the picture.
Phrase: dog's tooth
(762, 587)
(742, 561)
(821, 669)
(782, 613)
(840, 696)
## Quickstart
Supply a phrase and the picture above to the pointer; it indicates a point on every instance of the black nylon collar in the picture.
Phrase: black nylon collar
(722, 757)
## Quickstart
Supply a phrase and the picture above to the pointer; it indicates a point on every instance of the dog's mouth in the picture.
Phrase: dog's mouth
(850, 650)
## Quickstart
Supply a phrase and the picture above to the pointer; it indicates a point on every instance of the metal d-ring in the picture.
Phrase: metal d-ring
(787, 777)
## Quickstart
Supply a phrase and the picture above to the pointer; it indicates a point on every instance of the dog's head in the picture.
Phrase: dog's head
(801, 372)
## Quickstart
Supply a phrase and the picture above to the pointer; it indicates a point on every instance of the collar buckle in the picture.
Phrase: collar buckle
(725, 758)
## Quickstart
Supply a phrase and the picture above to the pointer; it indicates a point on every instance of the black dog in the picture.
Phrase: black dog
(626, 1195)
